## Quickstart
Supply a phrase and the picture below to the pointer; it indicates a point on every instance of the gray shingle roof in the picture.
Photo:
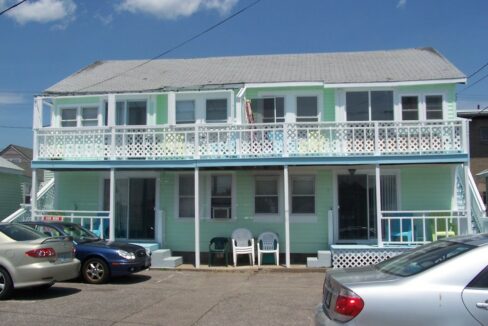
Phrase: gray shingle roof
(6, 165)
(330, 68)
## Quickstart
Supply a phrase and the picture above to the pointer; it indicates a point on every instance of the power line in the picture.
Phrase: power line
(15, 127)
(12, 7)
(477, 71)
(476, 82)
(194, 37)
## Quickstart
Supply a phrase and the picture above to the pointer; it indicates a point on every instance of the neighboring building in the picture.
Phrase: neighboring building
(296, 144)
(478, 145)
(11, 179)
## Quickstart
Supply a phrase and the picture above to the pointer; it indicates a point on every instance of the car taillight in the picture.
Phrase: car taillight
(41, 253)
(348, 304)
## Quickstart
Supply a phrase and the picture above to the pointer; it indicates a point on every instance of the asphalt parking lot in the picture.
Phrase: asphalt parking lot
(173, 298)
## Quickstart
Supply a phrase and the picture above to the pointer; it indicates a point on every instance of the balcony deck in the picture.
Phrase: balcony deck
(218, 143)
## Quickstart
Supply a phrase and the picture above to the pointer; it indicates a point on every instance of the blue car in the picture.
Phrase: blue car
(100, 259)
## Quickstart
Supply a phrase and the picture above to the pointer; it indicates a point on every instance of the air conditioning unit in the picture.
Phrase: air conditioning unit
(221, 212)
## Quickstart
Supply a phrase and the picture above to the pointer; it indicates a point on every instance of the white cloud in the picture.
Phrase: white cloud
(173, 9)
(11, 98)
(105, 20)
(401, 4)
(44, 11)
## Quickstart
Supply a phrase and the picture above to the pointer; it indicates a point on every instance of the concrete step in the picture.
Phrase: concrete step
(325, 257)
(313, 262)
(160, 254)
(169, 262)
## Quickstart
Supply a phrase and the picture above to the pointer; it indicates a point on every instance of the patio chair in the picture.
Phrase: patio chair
(218, 246)
(242, 244)
(441, 231)
(268, 244)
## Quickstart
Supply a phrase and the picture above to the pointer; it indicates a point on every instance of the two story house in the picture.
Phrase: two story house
(324, 149)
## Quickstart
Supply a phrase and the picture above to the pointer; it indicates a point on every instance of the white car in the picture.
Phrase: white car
(28, 258)
(442, 283)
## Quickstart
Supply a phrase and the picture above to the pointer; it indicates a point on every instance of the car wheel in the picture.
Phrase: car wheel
(95, 271)
(6, 286)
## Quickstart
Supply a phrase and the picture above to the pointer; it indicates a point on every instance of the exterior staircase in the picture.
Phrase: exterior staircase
(479, 220)
(323, 260)
(162, 258)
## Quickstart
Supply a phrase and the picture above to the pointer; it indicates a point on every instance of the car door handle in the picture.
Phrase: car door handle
(482, 305)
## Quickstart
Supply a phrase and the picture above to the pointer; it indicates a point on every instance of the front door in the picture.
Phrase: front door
(135, 200)
(353, 207)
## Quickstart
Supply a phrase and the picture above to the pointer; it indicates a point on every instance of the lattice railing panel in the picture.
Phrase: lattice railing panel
(256, 140)
(345, 258)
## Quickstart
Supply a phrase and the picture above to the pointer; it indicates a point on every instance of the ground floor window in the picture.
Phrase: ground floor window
(266, 195)
(186, 196)
(303, 195)
(221, 197)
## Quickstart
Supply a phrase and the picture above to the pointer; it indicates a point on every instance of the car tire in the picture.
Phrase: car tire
(95, 271)
(6, 285)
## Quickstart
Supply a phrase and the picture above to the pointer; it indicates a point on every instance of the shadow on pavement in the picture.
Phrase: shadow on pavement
(42, 294)
(129, 279)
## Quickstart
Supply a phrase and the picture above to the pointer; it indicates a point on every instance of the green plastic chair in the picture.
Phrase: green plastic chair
(218, 245)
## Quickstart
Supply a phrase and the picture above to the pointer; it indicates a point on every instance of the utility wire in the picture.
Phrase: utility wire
(476, 82)
(194, 37)
(15, 127)
(12, 7)
(477, 71)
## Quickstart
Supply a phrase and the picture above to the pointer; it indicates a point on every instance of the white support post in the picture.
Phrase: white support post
(378, 206)
(112, 206)
(171, 108)
(197, 220)
(36, 124)
(111, 121)
(467, 196)
(287, 215)
(34, 194)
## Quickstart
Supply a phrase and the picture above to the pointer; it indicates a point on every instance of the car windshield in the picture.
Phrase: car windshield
(20, 232)
(78, 233)
(423, 258)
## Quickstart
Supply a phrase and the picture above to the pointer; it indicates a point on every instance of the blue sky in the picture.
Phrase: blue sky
(44, 41)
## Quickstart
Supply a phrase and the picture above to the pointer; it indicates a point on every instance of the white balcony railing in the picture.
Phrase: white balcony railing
(213, 141)
(418, 227)
(95, 221)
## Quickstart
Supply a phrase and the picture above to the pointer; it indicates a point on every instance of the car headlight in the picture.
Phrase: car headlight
(126, 255)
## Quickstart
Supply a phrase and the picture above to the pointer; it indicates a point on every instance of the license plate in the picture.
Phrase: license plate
(64, 257)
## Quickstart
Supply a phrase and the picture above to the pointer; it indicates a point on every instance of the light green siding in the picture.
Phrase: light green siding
(78, 191)
(427, 188)
(77, 100)
(162, 109)
(10, 193)
(305, 237)
(449, 90)
(328, 113)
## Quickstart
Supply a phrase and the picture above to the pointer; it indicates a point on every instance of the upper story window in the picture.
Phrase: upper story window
(433, 107)
(410, 108)
(186, 195)
(221, 196)
(185, 111)
(269, 110)
(266, 195)
(131, 113)
(307, 109)
(69, 117)
(216, 111)
(420, 107)
(89, 116)
(369, 106)
(303, 195)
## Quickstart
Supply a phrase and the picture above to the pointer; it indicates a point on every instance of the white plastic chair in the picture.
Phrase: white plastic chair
(268, 243)
(242, 243)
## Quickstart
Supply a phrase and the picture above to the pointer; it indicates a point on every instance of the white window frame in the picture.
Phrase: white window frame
(177, 196)
(290, 98)
(82, 120)
(125, 109)
(317, 116)
(194, 112)
(79, 117)
(200, 100)
(422, 104)
(314, 180)
(343, 102)
(265, 216)
(227, 109)
(232, 197)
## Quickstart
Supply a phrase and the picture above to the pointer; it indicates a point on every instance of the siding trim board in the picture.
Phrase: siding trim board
(178, 164)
